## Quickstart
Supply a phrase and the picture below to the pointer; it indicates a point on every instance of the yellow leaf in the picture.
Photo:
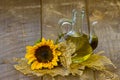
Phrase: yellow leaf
(23, 67)
(97, 62)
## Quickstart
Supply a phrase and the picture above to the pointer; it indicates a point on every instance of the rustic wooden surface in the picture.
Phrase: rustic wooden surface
(20, 26)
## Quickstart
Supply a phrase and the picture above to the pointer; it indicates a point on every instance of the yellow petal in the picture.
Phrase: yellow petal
(39, 66)
(58, 53)
(45, 65)
(54, 63)
(50, 42)
(33, 66)
(52, 47)
(43, 40)
(29, 47)
(28, 56)
(56, 59)
(47, 42)
(31, 60)
(56, 46)
(39, 44)
(30, 51)
(50, 66)
(35, 47)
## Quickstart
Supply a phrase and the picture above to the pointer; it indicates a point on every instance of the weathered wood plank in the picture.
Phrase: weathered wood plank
(20, 26)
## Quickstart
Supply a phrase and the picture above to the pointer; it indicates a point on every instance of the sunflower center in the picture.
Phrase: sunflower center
(44, 54)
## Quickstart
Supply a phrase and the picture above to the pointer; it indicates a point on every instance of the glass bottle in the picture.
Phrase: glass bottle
(93, 39)
(84, 27)
(70, 27)
(90, 35)
(76, 35)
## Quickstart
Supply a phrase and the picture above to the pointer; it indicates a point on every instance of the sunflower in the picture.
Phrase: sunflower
(42, 55)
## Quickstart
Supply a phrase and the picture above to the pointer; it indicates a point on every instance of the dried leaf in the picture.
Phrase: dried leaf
(110, 75)
(76, 69)
(23, 67)
(97, 62)
(67, 49)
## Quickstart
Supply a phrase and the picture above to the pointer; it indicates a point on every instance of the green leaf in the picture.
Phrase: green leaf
(37, 41)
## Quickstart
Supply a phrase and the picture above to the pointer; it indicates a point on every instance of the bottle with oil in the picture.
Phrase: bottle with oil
(88, 30)
(93, 39)
(75, 34)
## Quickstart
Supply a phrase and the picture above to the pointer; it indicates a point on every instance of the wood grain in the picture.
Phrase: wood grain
(20, 26)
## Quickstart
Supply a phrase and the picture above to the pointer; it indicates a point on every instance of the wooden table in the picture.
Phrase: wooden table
(20, 26)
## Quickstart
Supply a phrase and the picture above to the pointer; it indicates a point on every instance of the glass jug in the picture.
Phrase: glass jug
(73, 27)
(78, 27)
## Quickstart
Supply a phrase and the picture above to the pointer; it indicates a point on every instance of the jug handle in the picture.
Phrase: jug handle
(62, 22)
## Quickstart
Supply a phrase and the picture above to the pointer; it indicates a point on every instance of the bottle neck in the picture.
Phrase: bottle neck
(92, 32)
(76, 21)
